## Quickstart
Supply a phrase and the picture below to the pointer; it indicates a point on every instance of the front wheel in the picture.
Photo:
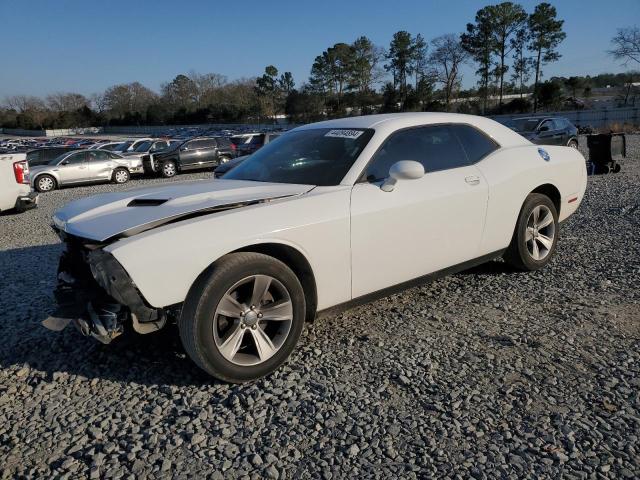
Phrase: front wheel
(536, 234)
(169, 169)
(573, 144)
(243, 317)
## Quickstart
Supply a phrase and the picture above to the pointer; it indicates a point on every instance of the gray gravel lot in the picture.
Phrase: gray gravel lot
(488, 373)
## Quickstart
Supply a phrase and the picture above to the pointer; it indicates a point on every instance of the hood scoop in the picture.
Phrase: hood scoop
(147, 202)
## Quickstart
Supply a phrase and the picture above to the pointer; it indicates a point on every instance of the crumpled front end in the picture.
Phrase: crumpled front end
(95, 293)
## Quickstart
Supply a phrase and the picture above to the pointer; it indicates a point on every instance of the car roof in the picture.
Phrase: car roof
(535, 117)
(390, 122)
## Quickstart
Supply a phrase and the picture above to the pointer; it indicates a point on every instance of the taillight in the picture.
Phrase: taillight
(233, 146)
(21, 171)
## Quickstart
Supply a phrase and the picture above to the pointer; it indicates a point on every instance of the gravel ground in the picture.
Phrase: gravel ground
(488, 373)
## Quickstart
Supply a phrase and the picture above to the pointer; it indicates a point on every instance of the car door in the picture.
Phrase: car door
(73, 168)
(423, 225)
(100, 165)
(209, 152)
(189, 154)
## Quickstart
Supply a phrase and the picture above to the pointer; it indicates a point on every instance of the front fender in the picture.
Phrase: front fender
(164, 262)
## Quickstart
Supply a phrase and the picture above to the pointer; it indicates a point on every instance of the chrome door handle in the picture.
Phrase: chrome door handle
(472, 180)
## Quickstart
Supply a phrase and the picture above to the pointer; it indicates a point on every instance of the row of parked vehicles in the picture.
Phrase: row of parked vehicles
(61, 162)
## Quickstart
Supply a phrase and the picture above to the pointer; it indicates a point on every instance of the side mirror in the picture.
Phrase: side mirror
(544, 128)
(402, 170)
(64, 162)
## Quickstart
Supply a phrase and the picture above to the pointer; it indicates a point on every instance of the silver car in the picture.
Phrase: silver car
(83, 166)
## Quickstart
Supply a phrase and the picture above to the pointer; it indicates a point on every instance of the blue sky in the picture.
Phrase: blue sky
(86, 46)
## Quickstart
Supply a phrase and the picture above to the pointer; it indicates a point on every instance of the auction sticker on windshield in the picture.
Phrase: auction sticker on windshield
(343, 133)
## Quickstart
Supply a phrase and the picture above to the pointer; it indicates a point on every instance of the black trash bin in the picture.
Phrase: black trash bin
(606, 150)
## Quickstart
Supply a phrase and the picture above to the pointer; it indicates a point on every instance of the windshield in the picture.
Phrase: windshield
(143, 147)
(122, 147)
(320, 156)
(524, 124)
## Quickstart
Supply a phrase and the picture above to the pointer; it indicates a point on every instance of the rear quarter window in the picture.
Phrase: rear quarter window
(476, 144)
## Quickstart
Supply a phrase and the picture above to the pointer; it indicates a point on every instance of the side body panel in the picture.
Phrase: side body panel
(316, 224)
(74, 172)
(512, 173)
(101, 167)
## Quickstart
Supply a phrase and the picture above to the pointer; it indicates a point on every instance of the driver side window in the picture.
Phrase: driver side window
(435, 147)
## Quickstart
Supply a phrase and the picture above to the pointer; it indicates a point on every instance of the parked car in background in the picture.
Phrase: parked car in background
(196, 153)
(135, 143)
(225, 167)
(111, 146)
(246, 144)
(84, 143)
(148, 146)
(546, 130)
(15, 187)
(333, 214)
(83, 166)
(42, 156)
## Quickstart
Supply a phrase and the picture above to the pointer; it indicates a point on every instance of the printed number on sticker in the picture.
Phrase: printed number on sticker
(344, 133)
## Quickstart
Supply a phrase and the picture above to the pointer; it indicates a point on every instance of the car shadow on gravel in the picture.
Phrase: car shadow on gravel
(27, 280)
(494, 267)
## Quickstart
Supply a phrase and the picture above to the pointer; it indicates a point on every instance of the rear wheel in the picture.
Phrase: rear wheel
(573, 144)
(45, 183)
(121, 175)
(169, 169)
(243, 317)
(536, 234)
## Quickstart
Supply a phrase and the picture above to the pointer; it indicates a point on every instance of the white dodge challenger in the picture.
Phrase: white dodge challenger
(328, 215)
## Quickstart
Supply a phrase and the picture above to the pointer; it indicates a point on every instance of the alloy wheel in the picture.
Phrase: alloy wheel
(252, 320)
(541, 231)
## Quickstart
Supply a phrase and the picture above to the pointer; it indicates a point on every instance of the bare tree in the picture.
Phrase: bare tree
(32, 108)
(447, 55)
(206, 84)
(626, 45)
(24, 103)
(66, 102)
(98, 102)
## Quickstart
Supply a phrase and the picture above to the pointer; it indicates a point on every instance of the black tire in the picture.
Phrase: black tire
(197, 319)
(573, 143)
(168, 169)
(120, 175)
(518, 253)
(45, 183)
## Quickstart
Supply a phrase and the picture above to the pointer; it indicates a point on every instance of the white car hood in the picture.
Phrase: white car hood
(102, 217)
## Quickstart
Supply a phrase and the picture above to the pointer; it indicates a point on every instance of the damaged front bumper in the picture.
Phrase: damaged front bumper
(95, 293)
